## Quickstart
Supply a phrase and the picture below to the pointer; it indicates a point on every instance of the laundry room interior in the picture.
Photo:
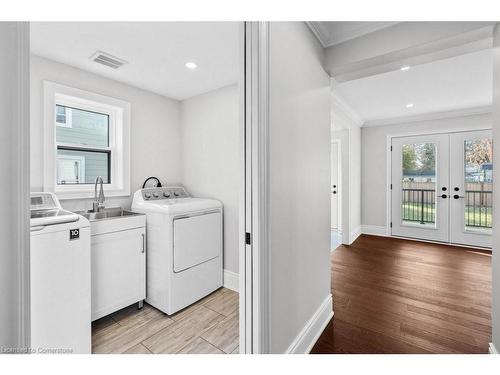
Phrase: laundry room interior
(136, 152)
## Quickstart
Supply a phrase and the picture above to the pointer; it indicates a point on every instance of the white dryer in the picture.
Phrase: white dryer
(184, 246)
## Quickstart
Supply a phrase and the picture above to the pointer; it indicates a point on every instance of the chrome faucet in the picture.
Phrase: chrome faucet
(98, 204)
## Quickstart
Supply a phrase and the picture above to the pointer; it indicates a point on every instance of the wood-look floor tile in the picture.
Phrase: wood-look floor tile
(174, 338)
(224, 335)
(200, 346)
(102, 324)
(129, 337)
(131, 317)
(137, 349)
(224, 303)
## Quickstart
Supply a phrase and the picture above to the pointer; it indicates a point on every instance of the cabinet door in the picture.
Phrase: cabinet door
(118, 270)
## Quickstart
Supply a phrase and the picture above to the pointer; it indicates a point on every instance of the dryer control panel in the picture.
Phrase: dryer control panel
(167, 192)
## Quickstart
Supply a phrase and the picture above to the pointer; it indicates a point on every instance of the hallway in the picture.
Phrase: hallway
(400, 296)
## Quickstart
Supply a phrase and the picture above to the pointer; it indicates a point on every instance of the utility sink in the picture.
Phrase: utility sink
(113, 219)
(107, 213)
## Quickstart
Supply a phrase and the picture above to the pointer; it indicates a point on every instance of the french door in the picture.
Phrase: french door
(442, 187)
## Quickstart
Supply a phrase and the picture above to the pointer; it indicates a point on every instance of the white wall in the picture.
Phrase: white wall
(155, 127)
(495, 261)
(14, 184)
(374, 159)
(210, 157)
(299, 151)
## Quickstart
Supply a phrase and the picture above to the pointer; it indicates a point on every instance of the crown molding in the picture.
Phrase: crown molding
(464, 112)
(327, 39)
(319, 32)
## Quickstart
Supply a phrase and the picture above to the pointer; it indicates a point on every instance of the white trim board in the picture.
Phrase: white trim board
(355, 233)
(231, 280)
(492, 349)
(464, 112)
(307, 337)
(374, 230)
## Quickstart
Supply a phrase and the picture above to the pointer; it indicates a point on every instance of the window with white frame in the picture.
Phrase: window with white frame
(86, 136)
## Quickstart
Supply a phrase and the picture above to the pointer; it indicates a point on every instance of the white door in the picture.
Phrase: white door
(420, 187)
(442, 187)
(335, 176)
(471, 188)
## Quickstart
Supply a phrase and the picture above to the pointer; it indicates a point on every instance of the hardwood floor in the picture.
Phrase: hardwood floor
(210, 326)
(400, 296)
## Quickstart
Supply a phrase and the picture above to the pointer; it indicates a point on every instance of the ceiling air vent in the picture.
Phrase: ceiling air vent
(107, 59)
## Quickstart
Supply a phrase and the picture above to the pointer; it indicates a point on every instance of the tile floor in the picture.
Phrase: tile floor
(210, 326)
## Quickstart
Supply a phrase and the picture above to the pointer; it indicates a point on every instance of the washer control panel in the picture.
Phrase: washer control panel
(168, 192)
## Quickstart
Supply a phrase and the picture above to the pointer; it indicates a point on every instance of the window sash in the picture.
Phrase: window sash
(88, 149)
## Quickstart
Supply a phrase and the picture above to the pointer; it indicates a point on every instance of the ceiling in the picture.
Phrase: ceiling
(336, 32)
(156, 52)
(456, 83)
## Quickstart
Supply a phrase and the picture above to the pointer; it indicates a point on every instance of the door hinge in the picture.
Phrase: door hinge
(391, 148)
(391, 186)
(391, 224)
(248, 238)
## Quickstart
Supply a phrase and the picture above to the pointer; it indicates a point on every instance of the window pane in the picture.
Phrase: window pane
(61, 114)
(419, 183)
(86, 128)
(478, 184)
(82, 167)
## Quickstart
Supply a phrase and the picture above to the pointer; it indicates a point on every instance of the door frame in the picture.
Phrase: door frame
(20, 177)
(254, 264)
(460, 129)
(254, 196)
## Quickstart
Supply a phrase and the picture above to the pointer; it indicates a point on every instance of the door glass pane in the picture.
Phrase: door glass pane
(478, 184)
(79, 127)
(418, 206)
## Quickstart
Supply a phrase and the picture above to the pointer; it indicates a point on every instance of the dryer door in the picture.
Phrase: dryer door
(197, 239)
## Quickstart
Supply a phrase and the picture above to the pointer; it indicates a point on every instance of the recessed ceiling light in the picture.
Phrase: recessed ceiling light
(191, 65)
(405, 68)
(409, 105)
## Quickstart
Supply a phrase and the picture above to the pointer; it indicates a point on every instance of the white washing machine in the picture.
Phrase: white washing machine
(59, 278)
(184, 246)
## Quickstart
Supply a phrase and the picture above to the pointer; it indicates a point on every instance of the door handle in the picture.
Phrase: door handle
(444, 196)
(334, 192)
(143, 243)
(456, 196)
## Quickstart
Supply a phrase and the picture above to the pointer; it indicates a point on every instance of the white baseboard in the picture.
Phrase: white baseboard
(492, 349)
(313, 329)
(355, 233)
(374, 230)
(231, 280)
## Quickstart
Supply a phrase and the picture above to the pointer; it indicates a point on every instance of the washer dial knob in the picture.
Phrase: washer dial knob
(147, 195)
(155, 194)
(166, 194)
